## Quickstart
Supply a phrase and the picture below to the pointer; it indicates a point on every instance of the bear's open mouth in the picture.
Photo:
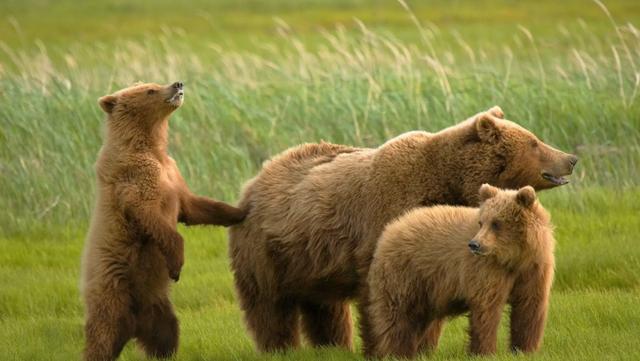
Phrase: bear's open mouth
(479, 253)
(176, 99)
(557, 180)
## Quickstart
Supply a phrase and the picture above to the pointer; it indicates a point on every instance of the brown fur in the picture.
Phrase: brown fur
(424, 271)
(133, 247)
(317, 211)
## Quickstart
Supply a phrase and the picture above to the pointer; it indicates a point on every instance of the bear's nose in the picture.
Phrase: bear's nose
(178, 85)
(573, 159)
(474, 246)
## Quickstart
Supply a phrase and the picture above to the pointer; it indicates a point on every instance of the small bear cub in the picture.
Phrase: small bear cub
(443, 261)
(133, 248)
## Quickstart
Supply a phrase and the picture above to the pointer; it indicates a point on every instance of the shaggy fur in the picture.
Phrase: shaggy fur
(317, 211)
(133, 247)
(442, 261)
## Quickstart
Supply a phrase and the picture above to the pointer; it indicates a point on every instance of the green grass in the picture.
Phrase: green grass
(350, 72)
(594, 310)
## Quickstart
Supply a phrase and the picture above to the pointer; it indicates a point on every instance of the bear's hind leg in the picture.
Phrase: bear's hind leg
(327, 324)
(108, 327)
(158, 331)
(432, 335)
(399, 338)
(273, 324)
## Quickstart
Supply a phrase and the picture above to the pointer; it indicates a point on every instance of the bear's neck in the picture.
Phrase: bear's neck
(152, 139)
(450, 162)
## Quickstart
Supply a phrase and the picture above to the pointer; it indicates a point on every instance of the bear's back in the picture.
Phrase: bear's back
(427, 234)
(275, 184)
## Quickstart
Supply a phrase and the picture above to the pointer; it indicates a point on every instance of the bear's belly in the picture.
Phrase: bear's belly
(335, 288)
(170, 205)
(319, 269)
(455, 307)
(148, 273)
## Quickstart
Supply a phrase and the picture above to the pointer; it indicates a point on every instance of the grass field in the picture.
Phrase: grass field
(263, 76)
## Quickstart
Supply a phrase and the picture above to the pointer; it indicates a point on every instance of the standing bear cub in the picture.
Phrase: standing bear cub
(133, 247)
(433, 263)
(317, 211)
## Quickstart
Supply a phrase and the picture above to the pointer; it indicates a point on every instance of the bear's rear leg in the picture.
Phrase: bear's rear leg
(395, 333)
(157, 331)
(274, 325)
(327, 324)
(108, 327)
(432, 335)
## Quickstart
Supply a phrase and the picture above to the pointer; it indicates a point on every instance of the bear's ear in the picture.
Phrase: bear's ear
(496, 111)
(107, 103)
(526, 196)
(487, 128)
(487, 191)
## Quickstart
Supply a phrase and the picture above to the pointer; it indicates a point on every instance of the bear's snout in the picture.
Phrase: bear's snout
(474, 246)
(175, 94)
(573, 160)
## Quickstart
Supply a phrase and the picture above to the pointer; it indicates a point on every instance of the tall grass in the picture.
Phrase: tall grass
(358, 88)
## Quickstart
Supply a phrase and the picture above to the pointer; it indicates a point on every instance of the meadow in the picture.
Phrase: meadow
(264, 76)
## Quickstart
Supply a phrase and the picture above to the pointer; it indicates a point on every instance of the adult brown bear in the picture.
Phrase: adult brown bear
(316, 211)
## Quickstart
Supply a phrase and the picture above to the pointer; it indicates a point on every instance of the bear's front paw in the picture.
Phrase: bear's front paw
(237, 215)
(175, 259)
(175, 267)
(174, 274)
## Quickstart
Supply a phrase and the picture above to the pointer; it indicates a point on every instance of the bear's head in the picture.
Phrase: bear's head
(522, 159)
(145, 104)
(514, 227)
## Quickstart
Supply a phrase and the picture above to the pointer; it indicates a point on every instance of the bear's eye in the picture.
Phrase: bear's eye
(495, 225)
(480, 223)
(150, 92)
(534, 143)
